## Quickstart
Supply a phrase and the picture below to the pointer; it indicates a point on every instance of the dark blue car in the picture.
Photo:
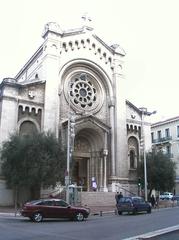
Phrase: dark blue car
(133, 205)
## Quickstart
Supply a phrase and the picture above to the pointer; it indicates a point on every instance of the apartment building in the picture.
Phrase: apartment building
(165, 136)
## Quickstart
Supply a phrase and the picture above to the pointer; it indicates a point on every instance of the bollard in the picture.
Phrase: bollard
(101, 213)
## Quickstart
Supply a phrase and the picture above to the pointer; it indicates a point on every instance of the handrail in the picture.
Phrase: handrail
(164, 139)
(126, 190)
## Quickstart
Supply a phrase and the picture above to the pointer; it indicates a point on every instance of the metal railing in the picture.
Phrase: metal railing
(162, 140)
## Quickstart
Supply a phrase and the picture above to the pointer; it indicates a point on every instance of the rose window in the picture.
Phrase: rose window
(83, 92)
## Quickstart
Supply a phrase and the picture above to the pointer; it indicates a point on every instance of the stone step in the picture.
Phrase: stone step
(98, 198)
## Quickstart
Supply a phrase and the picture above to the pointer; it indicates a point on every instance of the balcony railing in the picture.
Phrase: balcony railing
(169, 155)
(162, 140)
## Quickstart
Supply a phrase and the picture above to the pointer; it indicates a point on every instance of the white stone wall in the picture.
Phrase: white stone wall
(6, 195)
(120, 131)
(9, 104)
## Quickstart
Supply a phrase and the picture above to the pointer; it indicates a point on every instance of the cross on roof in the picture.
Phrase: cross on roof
(86, 18)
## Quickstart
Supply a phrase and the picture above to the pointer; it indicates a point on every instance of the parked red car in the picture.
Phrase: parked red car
(37, 210)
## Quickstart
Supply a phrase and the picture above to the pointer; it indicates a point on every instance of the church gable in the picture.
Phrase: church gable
(80, 43)
(133, 113)
(88, 44)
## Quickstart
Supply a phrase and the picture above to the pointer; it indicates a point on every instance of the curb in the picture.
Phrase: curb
(10, 214)
(100, 213)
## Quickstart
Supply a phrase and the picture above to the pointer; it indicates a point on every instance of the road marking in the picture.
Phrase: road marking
(154, 233)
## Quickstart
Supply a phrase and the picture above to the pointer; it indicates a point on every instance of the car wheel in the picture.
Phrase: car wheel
(134, 211)
(119, 212)
(79, 217)
(149, 210)
(37, 217)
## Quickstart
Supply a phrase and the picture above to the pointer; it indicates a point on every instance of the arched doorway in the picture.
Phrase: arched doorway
(80, 160)
(89, 162)
(27, 128)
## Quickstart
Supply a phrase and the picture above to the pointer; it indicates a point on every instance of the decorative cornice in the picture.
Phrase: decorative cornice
(169, 120)
(112, 49)
(12, 82)
(37, 53)
(133, 106)
(137, 122)
(37, 104)
(8, 98)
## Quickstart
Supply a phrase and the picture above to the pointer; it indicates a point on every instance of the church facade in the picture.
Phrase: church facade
(75, 75)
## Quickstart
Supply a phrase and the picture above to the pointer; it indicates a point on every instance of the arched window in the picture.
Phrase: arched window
(27, 128)
(133, 152)
(132, 159)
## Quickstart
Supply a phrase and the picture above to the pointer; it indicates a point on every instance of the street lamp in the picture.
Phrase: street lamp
(70, 145)
(144, 112)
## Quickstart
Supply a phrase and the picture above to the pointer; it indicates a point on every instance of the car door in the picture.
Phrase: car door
(124, 204)
(61, 209)
(127, 204)
(142, 206)
(47, 208)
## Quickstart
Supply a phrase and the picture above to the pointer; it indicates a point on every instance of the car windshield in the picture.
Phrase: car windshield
(138, 200)
(125, 200)
(34, 202)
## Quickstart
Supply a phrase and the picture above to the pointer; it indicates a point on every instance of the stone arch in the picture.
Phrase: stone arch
(89, 67)
(88, 157)
(28, 126)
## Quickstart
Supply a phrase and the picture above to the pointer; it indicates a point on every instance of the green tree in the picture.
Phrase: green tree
(160, 171)
(32, 162)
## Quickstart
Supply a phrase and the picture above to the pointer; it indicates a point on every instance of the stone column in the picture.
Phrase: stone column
(88, 174)
(121, 165)
(105, 154)
(51, 66)
(112, 112)
(101, 174)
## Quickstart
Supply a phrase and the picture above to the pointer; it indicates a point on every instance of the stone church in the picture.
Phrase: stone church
(75, 74)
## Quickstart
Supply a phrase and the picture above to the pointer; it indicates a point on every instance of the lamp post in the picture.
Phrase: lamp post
(70, 145)
(144, 112)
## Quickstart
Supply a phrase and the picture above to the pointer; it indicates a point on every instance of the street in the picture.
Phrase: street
(108, 227)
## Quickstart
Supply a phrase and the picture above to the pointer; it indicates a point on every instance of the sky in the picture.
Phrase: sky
(146, 29)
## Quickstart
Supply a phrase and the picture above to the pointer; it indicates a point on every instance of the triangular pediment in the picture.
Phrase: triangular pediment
(94, 120)
(91, 120)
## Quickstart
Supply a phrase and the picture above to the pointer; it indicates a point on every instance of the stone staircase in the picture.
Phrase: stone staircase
(98, 199)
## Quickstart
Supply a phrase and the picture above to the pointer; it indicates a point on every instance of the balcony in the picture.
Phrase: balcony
(169, 155)
(162, 140)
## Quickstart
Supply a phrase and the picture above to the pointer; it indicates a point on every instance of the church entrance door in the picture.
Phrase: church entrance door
(80, 171)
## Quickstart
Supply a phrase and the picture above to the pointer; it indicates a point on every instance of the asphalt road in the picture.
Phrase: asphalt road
(107, 227)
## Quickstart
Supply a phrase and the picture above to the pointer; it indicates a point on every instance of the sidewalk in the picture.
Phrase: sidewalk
(9, 211)
(102, 209)
(94, 210)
